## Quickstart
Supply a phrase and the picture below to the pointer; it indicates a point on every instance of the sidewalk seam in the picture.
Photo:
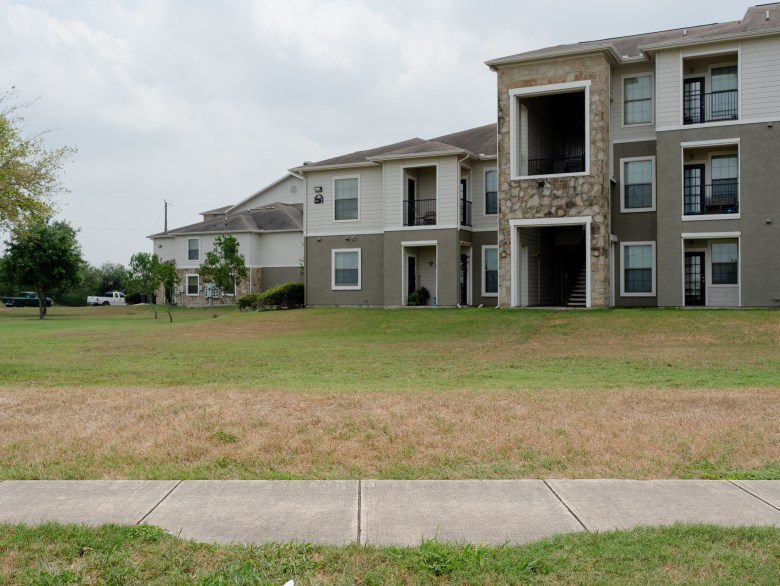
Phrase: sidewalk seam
(754, 495)
(359, 510)
(568, 508)
(167, 494)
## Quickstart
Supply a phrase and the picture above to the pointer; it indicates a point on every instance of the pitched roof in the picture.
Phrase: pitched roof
(635, 47)
(275, 217)
(221, 210)
(479, 142)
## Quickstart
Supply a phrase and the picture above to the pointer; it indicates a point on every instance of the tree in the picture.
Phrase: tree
(143, 276)
(224, 265)
(29, 171)
(169, 279)
(44, 256)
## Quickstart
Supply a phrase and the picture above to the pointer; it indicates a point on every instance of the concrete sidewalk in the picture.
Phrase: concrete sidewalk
(384, 512)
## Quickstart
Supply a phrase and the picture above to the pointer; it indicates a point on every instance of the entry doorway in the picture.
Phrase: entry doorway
(695, 279)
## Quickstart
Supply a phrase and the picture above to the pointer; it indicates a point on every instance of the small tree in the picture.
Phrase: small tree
(224, 265)
(169, 279)
(29, 171)
(44, 256)
(143, 276)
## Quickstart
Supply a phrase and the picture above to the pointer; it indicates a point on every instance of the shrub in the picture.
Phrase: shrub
(289, 295)
(249, 301)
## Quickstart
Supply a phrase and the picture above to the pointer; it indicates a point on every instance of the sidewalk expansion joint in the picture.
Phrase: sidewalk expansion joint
(568, 508)
(755, 495)
(167, 494)
(359, 509)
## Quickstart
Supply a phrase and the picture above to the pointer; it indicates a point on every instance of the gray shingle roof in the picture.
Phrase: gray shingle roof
(275, 217)
(479, 141)
(634, 47)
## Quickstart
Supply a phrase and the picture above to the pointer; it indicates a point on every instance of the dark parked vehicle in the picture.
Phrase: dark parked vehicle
(25, 299)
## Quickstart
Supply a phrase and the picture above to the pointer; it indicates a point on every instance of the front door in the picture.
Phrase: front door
(693, 101)
(411, 211)
(464, 279)
(693, 189)
(411, 274)
(695, 278)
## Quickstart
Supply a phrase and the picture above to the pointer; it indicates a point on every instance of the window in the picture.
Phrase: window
(637, 185)
(490, 271)
(724, 93)
(550, 130)
(638, 276)
(346, 197)
(725, 258)
(346, 269)
(193, 284)
(638, 100)
(724, 181)
(491, 191)
(193, 249)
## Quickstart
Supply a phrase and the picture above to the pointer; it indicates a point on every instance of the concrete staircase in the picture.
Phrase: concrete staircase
(577, 297)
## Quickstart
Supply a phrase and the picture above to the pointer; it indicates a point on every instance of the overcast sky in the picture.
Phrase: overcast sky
(203, 102)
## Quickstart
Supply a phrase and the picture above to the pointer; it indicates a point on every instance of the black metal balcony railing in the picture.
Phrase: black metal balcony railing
(420, 212)
(465, 212)
(699, 107)
(718, 198)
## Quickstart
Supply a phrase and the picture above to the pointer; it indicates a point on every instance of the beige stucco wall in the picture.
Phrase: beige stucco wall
(559, 196)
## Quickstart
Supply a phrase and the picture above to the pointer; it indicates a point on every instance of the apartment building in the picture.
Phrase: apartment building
(643, 170)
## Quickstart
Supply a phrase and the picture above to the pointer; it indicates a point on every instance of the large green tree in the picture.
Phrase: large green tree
(43, 256)
(29, 170)
(224, 265)
(143, 276)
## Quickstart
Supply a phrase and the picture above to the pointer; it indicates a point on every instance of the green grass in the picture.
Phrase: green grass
(687, 554)
(339, 350)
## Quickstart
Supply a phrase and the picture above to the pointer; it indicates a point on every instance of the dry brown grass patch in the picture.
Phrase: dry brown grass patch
(136, 432)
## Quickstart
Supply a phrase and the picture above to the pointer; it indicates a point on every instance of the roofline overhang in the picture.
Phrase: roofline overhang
(259, 191)
(395, 157)
(567, 52)
(710, 40)
(201, 233)
(306, 168)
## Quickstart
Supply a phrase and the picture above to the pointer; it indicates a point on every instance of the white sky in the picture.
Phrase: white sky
(203, 102)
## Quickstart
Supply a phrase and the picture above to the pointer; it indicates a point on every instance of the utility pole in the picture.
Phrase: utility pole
(166, 215)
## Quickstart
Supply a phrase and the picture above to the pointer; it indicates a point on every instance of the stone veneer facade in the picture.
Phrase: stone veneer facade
(561, 196)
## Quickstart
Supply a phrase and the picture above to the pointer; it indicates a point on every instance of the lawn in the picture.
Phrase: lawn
(109, 392)
(57, 554)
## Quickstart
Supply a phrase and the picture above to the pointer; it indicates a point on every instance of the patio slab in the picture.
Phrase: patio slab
(398, 512)
(622, 504)
(92, 502)
(261, 511)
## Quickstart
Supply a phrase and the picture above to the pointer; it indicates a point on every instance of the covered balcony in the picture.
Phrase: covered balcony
(711, 181)
(710, 89)
(419, 206)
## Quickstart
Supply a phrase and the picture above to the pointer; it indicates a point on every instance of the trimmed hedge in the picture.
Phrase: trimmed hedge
(250, 301)
(288, 295)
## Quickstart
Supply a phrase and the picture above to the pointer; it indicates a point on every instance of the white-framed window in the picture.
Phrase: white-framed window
(637, 99)
(637, 184)
(490, 271)
(637, 275)
(193, 284)
(491, 192)
(346, 269)
(193, 249)
(346, 198)
(725, 263)
(550, 130)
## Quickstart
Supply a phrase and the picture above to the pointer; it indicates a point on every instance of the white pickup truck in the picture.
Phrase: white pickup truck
(110, 298)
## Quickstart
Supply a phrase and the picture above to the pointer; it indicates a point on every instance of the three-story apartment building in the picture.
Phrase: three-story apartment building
(643, 168)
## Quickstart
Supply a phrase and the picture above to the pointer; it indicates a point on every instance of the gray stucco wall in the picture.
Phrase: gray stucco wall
(759, 201)
(273, 276)
(319, 270)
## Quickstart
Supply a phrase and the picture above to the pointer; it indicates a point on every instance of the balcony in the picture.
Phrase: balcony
(420, 212)
(718, 198)
(700, 108)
